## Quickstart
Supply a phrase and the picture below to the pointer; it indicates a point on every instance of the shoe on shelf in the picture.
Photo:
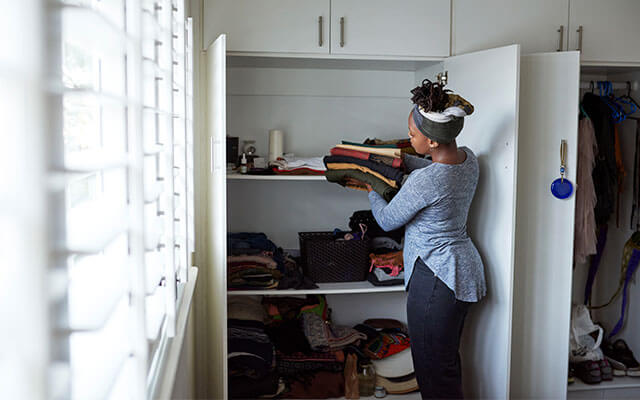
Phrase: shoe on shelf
(587, 371)
(621, 358)
(606, 372)
(571, 378)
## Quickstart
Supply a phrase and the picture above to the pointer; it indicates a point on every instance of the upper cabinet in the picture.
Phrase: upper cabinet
(279, 26)
(538, 26)
(391, 28)
(402, 28)
(605, 31)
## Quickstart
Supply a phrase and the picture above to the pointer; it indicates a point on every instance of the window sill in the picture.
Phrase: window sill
(161, 386)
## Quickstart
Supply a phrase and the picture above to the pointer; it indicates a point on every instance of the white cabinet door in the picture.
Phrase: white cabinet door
(215, 272)
(489, 80)
(549, 97)
(532, 24)
(391, 28)
(283, 26)
(610, 30)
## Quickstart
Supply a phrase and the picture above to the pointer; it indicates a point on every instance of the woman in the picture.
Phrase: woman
(443, 271)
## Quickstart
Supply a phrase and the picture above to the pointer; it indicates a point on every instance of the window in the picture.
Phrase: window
(99, 218)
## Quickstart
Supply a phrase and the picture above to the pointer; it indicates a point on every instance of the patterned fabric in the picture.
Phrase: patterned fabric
(585, 226)
(387, 344)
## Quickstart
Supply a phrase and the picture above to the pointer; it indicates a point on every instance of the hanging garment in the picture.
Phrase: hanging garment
(635, 207)
(585, 225)
(595, 262)
(630, 262)
(620, 173)
(605, 171)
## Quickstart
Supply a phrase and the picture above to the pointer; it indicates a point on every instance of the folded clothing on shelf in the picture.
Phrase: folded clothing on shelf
(321, 333)
(340, 176)
(250, 351)
(293, 165)
(390, 175)
(386, 269)
(394, 162)
(256, 263)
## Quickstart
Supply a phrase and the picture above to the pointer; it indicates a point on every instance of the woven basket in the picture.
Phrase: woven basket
(325, 259)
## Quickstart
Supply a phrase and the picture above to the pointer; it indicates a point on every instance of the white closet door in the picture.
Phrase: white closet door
(549, 90)
(216, 270)
(391, 28)
(489, 80)
(283, 26)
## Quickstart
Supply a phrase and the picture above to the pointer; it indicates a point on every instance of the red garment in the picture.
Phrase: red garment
(336, 151)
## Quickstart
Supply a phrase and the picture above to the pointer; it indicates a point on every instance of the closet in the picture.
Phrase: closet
(546, 283)
(317, 102)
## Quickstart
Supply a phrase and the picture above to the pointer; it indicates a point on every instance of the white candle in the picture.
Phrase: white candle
(275, 144)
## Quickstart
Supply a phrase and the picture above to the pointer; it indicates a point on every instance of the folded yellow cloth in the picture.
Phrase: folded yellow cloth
(366, 170)
(372, 150)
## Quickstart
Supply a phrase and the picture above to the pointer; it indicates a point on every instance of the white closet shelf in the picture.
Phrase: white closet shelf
(323, 288)
(623, 382)
(237, 176)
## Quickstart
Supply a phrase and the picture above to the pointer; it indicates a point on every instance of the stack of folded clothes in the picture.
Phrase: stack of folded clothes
(388, 346)
(387, 263)
(298, 166)
(309, 354)
(251, 355)
(256, 263)
(375, 162)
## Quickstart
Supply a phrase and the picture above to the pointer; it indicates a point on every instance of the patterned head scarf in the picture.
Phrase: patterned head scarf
(445, 126)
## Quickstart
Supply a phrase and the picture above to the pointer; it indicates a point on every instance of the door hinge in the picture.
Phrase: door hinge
(442, 78)
(193, 258)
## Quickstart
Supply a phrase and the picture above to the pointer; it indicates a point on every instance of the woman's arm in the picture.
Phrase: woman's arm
(412, 162)
(412, 197)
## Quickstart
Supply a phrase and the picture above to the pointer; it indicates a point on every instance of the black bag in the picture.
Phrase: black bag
(366, 218)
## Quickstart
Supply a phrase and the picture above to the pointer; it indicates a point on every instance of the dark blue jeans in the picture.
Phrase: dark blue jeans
(435, 319)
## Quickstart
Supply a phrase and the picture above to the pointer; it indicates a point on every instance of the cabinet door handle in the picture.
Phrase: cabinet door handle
(320, 31)
(579, 39)
(561, 32)
(341, 31)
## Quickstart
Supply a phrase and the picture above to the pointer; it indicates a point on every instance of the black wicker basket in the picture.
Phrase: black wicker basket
(325, 259)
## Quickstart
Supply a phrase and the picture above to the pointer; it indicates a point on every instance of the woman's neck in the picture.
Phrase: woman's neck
(449, 154)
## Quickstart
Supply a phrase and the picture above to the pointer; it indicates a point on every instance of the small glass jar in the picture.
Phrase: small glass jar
(366, 379)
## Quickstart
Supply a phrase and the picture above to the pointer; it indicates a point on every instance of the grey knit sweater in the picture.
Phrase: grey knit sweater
(434, 203)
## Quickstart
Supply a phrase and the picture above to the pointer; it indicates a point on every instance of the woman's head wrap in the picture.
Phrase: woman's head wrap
(444, 126)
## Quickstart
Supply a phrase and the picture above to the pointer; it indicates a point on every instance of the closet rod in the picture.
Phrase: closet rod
(616, 85)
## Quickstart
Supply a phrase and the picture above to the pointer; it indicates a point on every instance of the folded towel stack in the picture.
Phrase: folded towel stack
(375, 162)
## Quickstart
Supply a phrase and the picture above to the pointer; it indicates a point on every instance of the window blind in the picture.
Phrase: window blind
(97, 221)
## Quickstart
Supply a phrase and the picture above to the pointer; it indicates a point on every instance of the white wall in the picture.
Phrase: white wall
(316, 109)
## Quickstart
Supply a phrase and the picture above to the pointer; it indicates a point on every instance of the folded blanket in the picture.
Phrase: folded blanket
(393, 152)
(365, 155)
(341, 175)
(294, 162)
(394, 174)
(366, 170)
